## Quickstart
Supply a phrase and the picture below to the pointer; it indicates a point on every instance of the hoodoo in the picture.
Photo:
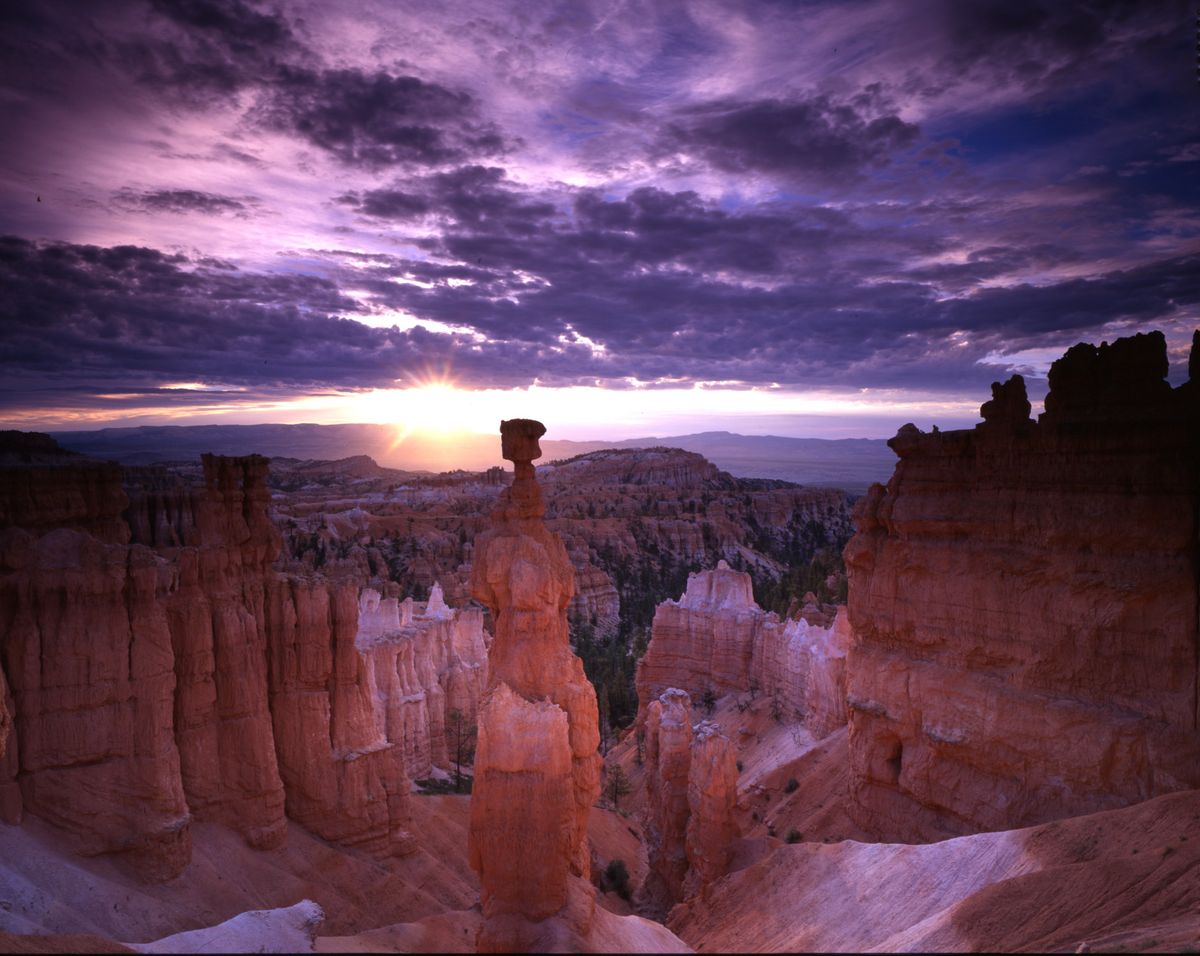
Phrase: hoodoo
(537, 769)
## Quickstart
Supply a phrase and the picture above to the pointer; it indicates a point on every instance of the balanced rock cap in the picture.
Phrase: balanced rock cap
(519, 439)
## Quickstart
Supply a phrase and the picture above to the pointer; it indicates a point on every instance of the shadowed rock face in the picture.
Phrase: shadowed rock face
(537, 769)
(1023, 599)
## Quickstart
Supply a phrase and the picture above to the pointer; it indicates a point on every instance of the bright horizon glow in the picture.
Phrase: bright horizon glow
(437, 407)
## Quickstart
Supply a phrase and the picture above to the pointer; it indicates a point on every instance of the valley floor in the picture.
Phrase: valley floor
(1121, 880)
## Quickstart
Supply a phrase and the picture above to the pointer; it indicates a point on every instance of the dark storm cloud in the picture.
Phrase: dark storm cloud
(814, 138)
(1025, 313)
(873, 195)
(79, 320)
(202, 54)
(183, 201)
(672, 286)
(375, 120)
(471, 197)
(211, 49)
(1047, 44)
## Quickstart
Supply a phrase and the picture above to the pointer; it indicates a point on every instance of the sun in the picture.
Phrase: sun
(433, 405)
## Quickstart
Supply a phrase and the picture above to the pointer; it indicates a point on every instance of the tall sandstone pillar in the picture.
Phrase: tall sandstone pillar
(537, 766)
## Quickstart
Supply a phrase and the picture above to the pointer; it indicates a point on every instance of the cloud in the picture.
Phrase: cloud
(210, 50)
(375, 120)
(184, 201)
(814, 139)
(469, 197)
(847, 195)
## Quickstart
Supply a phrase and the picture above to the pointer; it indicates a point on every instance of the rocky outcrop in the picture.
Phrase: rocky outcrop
(76, 494)
(136, 642)
(667, 762)
(712, 794)
(1124, 880)
(343, 778)
(291, 929)
(634, 522)
(716, 639)
(1023, 603)
(216, 612)
(427, 664)
(87, 652)
(691, 788)
(537, 769)
(596, 603)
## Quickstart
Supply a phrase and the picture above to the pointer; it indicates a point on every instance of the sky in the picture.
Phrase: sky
(622, 217)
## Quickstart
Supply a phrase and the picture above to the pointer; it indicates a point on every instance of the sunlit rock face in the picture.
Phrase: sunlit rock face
(1023, 604)
(691, 788)
(716, 638)
(712, 794)
(424, 662)
(537, 769)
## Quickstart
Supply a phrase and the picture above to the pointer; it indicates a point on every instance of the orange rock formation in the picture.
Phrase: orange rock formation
(87, 652)
(537, 769)
(691, 789)
(424, 663)
(1023, 602)
(667, 762)
(217, 619)
(716, 638)
(138, 670)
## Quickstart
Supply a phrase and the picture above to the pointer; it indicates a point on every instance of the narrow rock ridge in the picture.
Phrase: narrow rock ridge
(716, 639)
(691, 788)
(537, 769)
(1023, 600)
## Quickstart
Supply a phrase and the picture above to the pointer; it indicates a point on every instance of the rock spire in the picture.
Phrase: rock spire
(537, 768)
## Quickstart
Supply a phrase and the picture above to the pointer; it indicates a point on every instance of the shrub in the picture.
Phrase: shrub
(794, 836)
(739, 766)
(792, 785)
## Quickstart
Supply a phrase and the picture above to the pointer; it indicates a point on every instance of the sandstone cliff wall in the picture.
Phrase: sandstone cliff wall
(87, 652)
(342, 777)
(1023, 599)
(159, 669)
(716, 638)
(222, 545)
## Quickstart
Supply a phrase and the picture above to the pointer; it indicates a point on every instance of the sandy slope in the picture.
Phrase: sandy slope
(48, 890)
(45, 889)
(1123, 878)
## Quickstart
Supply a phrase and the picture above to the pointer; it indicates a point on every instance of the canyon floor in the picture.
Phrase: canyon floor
(1119, 881)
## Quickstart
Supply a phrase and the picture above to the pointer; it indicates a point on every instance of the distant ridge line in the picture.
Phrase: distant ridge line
(848, 463)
